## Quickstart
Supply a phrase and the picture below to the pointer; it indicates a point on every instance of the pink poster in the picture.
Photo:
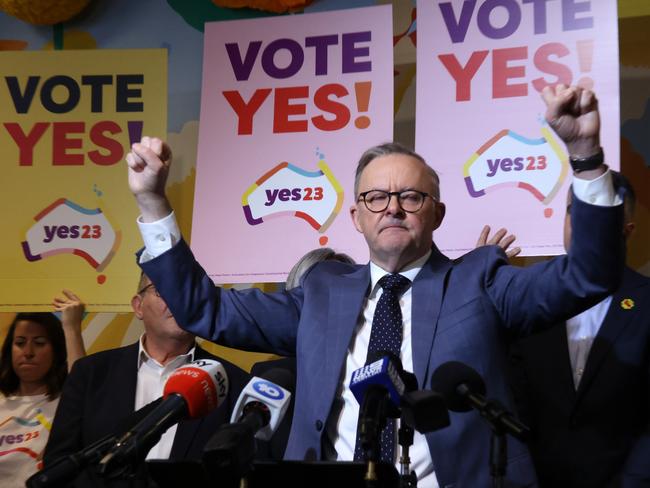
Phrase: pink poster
(288, 106)
(481, 65)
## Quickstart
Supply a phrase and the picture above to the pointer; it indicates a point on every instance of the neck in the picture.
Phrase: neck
(31, 389)
(395, 264)
(164, 350)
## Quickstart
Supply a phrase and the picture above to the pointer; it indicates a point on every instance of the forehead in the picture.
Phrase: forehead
(27, 328)
(396, 172)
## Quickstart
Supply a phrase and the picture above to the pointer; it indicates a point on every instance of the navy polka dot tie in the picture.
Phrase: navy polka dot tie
(386, 335)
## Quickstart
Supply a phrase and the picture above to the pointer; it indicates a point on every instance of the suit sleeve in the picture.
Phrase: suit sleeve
(245, 319)
(552, 291)
(66, 435)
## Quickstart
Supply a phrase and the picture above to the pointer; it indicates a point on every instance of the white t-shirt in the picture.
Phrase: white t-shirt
(25, 423)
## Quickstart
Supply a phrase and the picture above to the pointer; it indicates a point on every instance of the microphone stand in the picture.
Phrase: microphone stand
(498, 456)
(407, 478)
(501, 422)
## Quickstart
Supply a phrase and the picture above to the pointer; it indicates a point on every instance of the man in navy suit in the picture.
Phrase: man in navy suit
(459, 310)
(584, 386)
(104, 389)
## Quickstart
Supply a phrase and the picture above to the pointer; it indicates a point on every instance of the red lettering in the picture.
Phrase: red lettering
(502, 72)
(545, 65)
(283, 109)
(114, 148)
(340, 111)
(26, 142)
(463, 75)
(246, 111)
(61, 143)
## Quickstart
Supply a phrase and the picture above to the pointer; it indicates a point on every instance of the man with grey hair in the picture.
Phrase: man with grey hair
(409, 300)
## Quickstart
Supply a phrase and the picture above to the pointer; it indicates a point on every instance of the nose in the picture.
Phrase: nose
(394, 207)
(28, 350)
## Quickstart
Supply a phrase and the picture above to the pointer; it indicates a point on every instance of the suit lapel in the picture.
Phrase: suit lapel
(346, 302)
(126, 370)
(558, 359)
(427, 294)
(615, 322)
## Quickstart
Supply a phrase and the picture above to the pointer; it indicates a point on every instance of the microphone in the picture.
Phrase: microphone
(66, 468)
(257, 414)
(464, 389)
(379, 387)
(425, 411)
(191, 391)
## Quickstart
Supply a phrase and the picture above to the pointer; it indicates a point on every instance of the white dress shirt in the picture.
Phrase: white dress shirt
(581, 331)
(341, 427)
(152, 377)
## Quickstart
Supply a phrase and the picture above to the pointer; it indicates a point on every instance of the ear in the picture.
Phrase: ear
(440, 211)
(628, 228)
(354, 215)
(136, 304)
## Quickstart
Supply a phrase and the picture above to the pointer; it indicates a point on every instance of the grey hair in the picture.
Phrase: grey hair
(387, 149)
(308, 260)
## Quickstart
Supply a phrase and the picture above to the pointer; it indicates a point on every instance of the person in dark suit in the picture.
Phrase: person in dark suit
(105, 388)
(584, 386)
(444, 310)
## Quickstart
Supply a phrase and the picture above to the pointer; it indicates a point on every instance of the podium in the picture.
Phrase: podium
(268, 474)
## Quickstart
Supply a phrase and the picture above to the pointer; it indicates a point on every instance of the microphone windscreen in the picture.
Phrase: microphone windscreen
(203, 384)
(449, 376)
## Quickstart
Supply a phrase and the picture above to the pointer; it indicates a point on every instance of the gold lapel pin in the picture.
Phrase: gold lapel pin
(627, 304)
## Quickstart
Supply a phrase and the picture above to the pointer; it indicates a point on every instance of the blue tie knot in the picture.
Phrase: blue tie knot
(395, 283)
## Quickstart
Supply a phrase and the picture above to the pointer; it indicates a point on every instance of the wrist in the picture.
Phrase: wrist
(153, 207)
(590, 162)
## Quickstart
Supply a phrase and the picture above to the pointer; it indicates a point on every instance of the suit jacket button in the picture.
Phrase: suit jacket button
(319, 425)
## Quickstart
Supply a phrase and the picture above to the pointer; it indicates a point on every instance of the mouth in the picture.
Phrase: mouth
(392, 227)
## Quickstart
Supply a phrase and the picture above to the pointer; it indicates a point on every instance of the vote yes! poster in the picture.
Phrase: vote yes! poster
(68, 120)
(481, 65)
(288, 105)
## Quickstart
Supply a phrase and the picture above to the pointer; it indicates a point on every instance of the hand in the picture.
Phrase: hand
(573, 114)
(148, 168)
(499, 239)
(72, 309)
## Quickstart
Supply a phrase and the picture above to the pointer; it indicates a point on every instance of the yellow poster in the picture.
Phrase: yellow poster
(67, 120)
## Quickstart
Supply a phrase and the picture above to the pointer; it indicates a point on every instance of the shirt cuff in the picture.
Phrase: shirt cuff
(158, 236)
(599, 191)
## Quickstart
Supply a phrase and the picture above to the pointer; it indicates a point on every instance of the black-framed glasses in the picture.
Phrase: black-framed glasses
(409, 200)
(149, 287)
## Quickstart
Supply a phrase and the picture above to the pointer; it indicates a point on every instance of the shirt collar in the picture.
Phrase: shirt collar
(143, 356)
(409, 271)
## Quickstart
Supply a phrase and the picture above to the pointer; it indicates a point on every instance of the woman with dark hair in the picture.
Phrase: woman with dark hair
(33, 367)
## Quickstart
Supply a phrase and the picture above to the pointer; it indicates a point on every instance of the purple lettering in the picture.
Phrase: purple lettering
(271, 195)
(539, 15)
(284, 195)
(49, 233)
(511, 25)
(350, 52)
(268, 58)
(569, 10)
(321, 43)
(493, 165)
(242, 68)
(457, 28)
